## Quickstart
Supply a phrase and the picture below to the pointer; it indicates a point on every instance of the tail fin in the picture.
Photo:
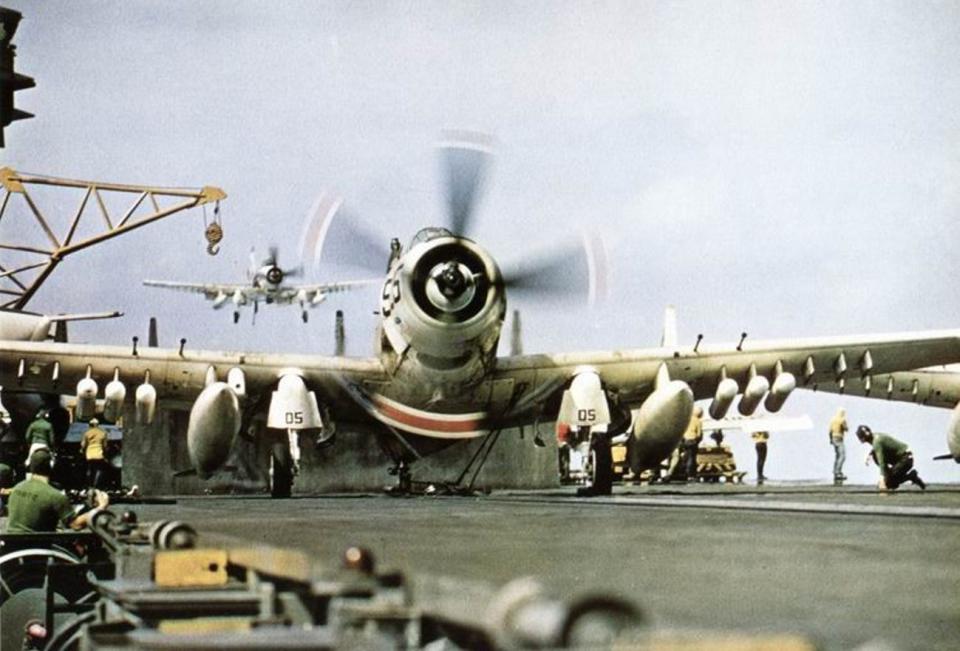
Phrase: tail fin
(669, 337)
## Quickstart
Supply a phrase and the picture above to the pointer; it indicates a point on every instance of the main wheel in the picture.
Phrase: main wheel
(601, 464)
(23, 592)
(281, 470)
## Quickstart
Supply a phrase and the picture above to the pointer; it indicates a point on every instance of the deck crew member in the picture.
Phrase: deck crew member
(39, 434)
(760, 442)
(838, 429)
(92, 446)
(893, 457)
(691, 441)
(35, 506)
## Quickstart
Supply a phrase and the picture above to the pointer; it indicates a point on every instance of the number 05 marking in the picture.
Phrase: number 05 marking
(294, 417)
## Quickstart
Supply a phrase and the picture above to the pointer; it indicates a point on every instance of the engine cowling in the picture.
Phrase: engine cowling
(444, 300)
(214, 424)
(659, 424)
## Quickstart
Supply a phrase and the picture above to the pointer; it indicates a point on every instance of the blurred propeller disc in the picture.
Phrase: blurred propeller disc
(465, 160)
(349, 244)
(570, 271)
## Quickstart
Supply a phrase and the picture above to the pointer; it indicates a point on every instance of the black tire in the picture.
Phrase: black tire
(601, 464)
(563, 463)
(281, 471)
(22, 593)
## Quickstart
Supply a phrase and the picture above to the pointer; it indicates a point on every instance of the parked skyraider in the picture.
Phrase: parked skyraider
(436, 376)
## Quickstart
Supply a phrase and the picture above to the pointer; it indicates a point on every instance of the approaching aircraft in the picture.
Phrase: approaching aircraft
(436, 376)
(265, 284)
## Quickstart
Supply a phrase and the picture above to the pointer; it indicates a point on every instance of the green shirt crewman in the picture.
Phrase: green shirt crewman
(893, 457)
(39, 434)
(34, 506)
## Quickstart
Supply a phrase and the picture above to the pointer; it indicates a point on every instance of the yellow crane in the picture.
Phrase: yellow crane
(37, 257)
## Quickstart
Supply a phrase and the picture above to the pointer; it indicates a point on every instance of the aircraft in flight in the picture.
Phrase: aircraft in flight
(436, 376)
(265, 284)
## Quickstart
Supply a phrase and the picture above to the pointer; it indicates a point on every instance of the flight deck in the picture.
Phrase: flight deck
(840, 567)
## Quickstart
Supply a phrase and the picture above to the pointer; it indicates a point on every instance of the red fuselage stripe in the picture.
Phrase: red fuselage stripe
(437, 424)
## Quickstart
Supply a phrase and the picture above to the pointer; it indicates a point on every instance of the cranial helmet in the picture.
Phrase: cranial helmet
(863, 432)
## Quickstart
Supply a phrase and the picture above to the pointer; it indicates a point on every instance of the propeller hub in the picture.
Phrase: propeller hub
(451, 281)
(450, 286)
(274, 275)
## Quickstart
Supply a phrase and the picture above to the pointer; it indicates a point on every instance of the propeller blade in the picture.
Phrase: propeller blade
(293, 272)
(254, 264)
(334, 235)
(465, 158)
(576, 270)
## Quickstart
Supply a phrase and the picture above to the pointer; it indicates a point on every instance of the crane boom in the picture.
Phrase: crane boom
(37, 260)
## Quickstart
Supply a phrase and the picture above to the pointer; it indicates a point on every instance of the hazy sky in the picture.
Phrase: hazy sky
(784, 169)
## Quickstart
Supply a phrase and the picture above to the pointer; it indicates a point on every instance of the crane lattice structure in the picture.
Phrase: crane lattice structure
(23, 279)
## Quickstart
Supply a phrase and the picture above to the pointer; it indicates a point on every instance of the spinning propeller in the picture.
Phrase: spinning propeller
(571, 270)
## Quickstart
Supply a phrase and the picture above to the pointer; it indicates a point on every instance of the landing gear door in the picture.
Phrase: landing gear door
(293, 406)
(584, 404)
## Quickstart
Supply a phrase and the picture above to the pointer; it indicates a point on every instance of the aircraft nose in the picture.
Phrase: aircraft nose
(451, 281)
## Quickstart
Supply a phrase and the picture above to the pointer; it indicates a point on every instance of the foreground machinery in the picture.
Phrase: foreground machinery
(136, 586)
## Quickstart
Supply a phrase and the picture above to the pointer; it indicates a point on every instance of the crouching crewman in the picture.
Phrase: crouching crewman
(893, 457)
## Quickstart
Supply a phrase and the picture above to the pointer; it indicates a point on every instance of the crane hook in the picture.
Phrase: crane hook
(214, 231)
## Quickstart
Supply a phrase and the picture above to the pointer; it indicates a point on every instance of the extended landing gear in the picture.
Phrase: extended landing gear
(236, 317)
(281, 471)
(599, 466)
(284, 465)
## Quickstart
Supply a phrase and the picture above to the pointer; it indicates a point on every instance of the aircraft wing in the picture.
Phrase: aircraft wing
(209, 290)
(934, 387)
(52, 367)
(524, 387)
(815, 363)
(291, 293)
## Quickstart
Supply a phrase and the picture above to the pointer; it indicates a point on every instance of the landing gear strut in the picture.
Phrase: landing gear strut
(284, 465)
(600, 466)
